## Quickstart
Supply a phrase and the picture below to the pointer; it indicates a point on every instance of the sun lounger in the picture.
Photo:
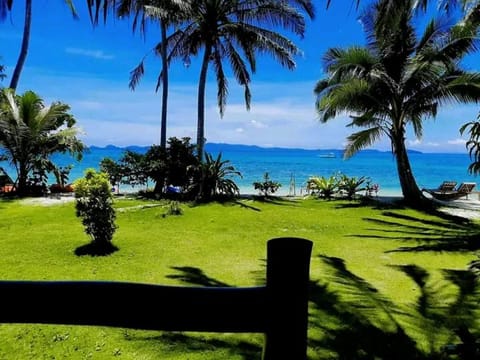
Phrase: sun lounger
(462, 191)
(444, 187)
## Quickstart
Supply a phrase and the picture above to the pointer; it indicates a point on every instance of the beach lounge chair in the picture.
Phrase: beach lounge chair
(463, 190)
(444, 187)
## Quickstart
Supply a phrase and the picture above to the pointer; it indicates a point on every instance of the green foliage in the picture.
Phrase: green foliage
(213, 179)
(31, 132)
(350, 185)
(267, 186)
(134, 168)
(174, 208)
(174, 165)
(473, 144)
(398, 80)
(113, 170)
(322, 186)
(94, 205)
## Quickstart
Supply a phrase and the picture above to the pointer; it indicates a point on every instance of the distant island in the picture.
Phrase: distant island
(221, 147)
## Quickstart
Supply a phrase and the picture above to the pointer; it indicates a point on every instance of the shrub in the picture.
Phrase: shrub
(322, 186)
(351, 185)
(213, 179)
(266, 187)
(94, 205)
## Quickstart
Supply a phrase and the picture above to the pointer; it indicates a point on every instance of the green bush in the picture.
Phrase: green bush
(94, 205)
(266, 187)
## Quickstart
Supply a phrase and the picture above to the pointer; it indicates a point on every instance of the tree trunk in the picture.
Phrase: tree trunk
(411, 193)
(163, 131)
(24, 48)
(201, 103)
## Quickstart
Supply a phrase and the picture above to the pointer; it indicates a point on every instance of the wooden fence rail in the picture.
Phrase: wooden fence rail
(279, 309)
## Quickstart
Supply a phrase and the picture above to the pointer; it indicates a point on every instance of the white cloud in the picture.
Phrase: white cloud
(97, 54)
(457, 142)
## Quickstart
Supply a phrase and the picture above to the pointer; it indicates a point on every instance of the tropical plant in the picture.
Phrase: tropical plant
(94, 205)
(267, 186)
(30, 132)
(113, 170)
(167, 13)
(134, 168)
(473, 144)
(232, 30)
(322, 186)
(398, 80)
(351, 185)
(214, 179)
(5, 6)
(174, 165)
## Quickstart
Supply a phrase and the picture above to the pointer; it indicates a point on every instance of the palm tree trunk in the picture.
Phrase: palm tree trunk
(24, 48)
(163, 131)
(201, 103)
(411, 193)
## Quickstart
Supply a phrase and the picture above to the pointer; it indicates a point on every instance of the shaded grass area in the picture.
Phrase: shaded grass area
(387, 282)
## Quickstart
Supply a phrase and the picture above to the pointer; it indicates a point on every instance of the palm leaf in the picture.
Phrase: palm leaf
(362, 139)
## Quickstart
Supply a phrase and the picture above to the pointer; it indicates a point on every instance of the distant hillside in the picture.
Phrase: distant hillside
(223, 147)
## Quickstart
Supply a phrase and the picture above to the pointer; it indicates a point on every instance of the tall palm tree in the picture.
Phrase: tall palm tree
(398, 80)
(31, 132)
(168, 13)
(234, 30)
(5, 6)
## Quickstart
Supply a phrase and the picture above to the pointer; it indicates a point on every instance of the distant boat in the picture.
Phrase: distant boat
(327, 155)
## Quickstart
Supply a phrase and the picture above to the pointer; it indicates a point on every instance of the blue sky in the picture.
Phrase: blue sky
(88, 68)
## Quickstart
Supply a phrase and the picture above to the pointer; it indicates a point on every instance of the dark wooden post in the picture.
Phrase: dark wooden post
(288, 267)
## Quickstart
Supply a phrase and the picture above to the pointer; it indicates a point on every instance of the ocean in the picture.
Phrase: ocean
(292, 167)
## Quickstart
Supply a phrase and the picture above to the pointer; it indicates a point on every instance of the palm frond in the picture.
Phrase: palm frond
(222, 83)
(362, 139)
(136, 75)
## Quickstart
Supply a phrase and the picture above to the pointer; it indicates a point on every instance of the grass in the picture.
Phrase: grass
(387, 282)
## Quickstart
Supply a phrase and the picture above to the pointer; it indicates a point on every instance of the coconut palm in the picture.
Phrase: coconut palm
(5, 6)
(31, 132)
(234, 31)
(398, 80)
(167, 13)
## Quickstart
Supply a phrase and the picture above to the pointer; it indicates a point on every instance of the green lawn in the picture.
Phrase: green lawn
(387, 282)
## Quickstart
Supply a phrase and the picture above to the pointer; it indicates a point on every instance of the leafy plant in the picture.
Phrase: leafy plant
(322, 186)
(174, 208)
(266, 187)
(113, 169)
(94, 205)
(351, 185)
(214, 179)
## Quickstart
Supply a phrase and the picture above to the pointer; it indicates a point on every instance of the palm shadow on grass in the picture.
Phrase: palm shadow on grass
(195, 276)
(96, 249)
(447, 233)
(191, 343)
(358, 322)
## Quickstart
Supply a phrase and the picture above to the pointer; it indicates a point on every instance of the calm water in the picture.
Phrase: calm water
(289, 166)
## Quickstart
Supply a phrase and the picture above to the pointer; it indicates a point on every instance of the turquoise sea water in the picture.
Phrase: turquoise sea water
(286, 165)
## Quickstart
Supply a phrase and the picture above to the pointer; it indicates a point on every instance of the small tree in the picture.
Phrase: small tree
(94, 205)
(113, 170)
(266, 187)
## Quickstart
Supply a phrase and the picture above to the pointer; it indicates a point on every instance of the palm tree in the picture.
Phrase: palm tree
(31, 132)
(5, 6)
(168, 13)
(233, 30)
(2, 72)
(398, 80)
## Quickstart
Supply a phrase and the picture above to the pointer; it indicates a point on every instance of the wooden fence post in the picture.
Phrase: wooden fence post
(288, 268)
